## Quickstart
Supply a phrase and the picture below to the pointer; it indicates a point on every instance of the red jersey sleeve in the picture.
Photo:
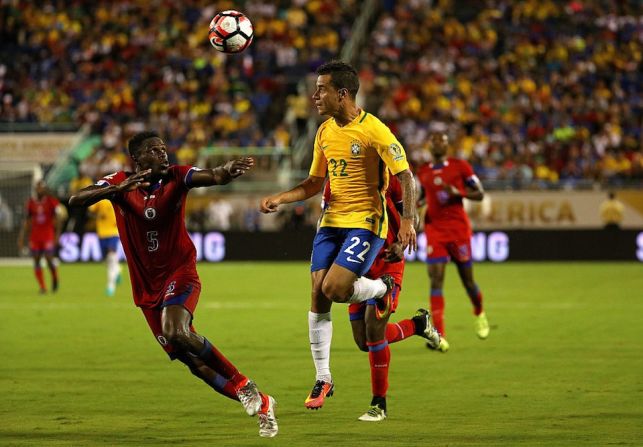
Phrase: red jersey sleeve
(112, 179)
(468, 176)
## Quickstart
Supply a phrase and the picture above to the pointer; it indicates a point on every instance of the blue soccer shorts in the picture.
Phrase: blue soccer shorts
(109, 244)
(352, 248)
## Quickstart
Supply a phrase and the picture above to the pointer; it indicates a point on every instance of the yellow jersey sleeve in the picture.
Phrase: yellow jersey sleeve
(388, 147)
(319, 165)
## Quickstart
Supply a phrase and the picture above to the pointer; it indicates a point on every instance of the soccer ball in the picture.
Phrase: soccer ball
(230, 32)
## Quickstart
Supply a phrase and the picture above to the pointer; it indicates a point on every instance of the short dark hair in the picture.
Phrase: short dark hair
(342, 75)
(136, 142)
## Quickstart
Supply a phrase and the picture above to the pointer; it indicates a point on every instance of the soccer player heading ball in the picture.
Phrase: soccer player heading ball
(150, 213)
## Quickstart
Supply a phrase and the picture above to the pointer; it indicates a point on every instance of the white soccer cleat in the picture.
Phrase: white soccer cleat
(482, 326)
(374, 414)
(423, 319)
(249, 397)
(268, 427)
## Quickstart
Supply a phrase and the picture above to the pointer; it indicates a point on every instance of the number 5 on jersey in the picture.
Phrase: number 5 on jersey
(153, 241)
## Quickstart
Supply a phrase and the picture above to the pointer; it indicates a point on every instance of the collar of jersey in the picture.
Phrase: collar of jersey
(359, 116)
(440, 165)
(154, 187)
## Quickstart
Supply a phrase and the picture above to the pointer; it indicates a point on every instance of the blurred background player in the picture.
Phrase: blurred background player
(371, 334)
(107, 232)
(44, 217)
(445, 182)
(357, 151)
(161, 258)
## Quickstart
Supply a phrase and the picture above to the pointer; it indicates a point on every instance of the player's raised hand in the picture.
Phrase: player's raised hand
(269, 204)
(135, 181)
(406, 236)
(239, 166)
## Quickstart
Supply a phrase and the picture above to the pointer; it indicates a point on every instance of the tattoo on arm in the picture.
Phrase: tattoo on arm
(408, 189)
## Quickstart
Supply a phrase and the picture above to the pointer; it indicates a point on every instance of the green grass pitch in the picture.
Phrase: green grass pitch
(563, 364)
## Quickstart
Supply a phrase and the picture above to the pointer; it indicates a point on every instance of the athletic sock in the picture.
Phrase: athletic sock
(213, 358)
(399, 331)
(217, 382)
(223, 386)
(320, 333)
(437, 310)
(113, 269)
(476, 299)
(40, 277)
(54, 276)
(365, 289)
(379, 356)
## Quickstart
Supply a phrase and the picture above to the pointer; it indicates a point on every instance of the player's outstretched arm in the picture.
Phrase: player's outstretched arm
(222, 175)
(406, 236)
(306, 189)
(92, 194)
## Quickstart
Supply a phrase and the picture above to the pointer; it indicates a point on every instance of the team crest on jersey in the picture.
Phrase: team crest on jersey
(429, 249)
(162, 340)
(437, 181)
(356, 148)
(149, 213)
(396, 151)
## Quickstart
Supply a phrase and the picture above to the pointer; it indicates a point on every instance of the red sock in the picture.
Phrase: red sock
(476, 299)
(399, 331)
(40, 277)
(379, 355)
(217, 382)
(221, 365)
(437, 310)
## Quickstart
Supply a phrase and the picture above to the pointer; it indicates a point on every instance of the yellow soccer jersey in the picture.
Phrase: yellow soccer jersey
(357, 158)
(105, 219)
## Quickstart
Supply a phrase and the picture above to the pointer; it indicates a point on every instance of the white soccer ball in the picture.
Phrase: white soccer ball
(231, 32)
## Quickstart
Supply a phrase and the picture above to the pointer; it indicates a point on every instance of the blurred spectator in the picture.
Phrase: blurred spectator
(251, 216)
(611, 211)
(218, 212)
(6, 216)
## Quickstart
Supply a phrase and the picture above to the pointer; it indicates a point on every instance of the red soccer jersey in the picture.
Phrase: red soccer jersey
(43, 218)
(446, 219)
(152, 229)
(393, 198)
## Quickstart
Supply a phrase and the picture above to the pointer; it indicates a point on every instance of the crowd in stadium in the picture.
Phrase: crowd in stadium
(533, 93)
(536, 90)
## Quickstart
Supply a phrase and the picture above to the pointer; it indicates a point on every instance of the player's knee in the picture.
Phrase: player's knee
(361, 345)
(177, 337)
(436, 280)
(335, 292)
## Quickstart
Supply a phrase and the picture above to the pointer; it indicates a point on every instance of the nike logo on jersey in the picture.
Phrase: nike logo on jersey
(349, 259)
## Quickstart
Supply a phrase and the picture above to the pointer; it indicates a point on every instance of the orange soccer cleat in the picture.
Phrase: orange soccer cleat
(315, 399)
